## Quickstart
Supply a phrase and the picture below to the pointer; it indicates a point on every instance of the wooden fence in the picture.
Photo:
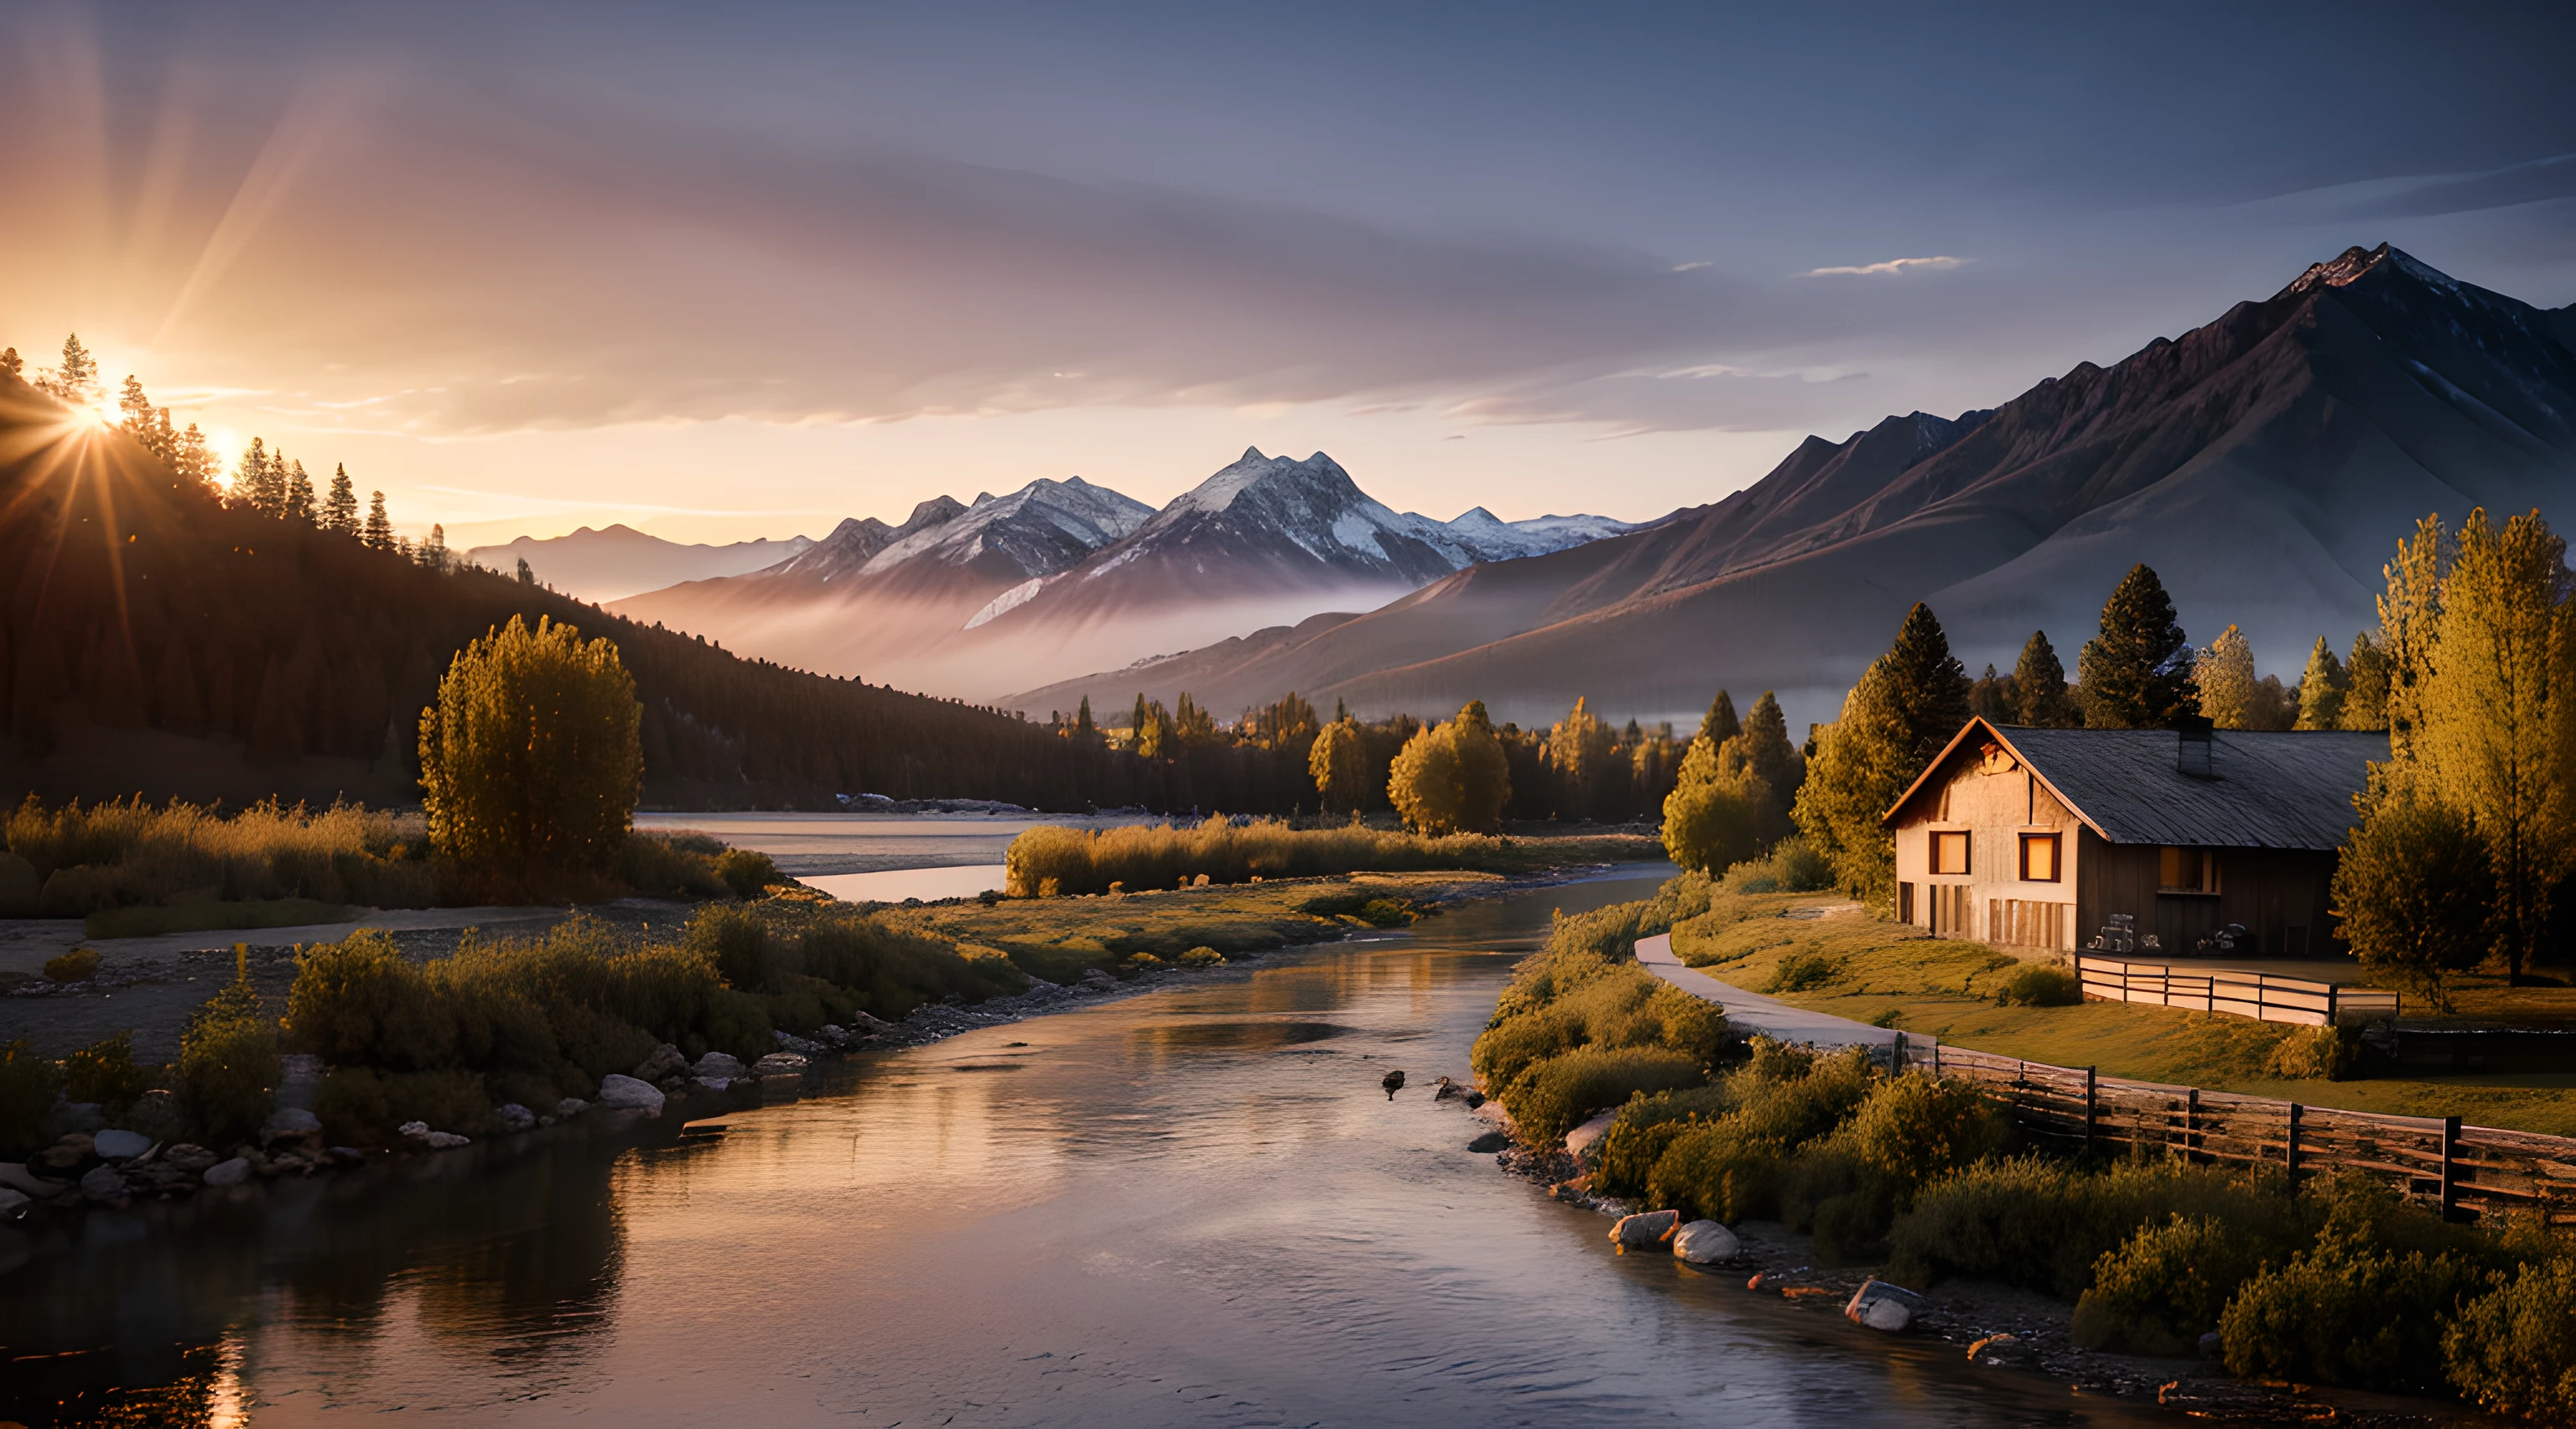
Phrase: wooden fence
(2262, 996)
(2465, 1171)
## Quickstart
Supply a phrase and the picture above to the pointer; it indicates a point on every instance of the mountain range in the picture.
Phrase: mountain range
(618, 561)
(1063, 576)
(2265, 464)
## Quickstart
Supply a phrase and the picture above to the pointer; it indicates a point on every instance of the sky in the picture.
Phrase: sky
(729, 271)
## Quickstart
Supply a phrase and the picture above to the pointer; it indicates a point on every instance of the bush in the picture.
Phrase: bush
(1089, 861)
(1792, 866)
(361, 1106)
(2332, 1053)
(28, 1083)
(678, 865)
(1912, 1129)
(1735, 1165)
(2165, 1286)
(361, 1001)
(78, 965)
(1804, 972)
(228, 1061)
(748, 872)
(736, 943)
(2513, 1350)
(531, 759)
(1558, 1094)
(2040, 985)
(1202, 957)
(104, 1072)
(115, 855)
(2046, 1225)
(2366, 1305)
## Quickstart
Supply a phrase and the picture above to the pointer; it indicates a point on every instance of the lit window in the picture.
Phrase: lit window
(2188, 870)
(1950, 852)
(2039, 858)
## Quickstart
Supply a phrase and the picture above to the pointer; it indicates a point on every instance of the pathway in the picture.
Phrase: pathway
(1767, 1015)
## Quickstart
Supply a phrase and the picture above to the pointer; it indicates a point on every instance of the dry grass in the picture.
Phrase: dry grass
(116, 855)
(1051, 860)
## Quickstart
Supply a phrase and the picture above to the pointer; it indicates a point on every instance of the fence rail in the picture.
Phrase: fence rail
(2464, 1171)
(2264, 997)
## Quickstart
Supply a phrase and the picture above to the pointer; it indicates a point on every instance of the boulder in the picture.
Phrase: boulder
(1581, 1142)
(714, 1084)
(1646, 1228)
(666, 1061)
(1706, 1243)
(831, 1034)
(70, 1118)
(626, 1093)
(446, 1140)
(72, 1150)
(1475, 1099)
(790, 1042)
(288, 1123)
(1882, 1306)
(14, 1204)
(228, 1173)
(1490, 1141)
(720, 1064)
(570, 1107)
(188, 1156)
(780, 1064)
(121, 1145)
(16, 1177)
(103, 1184)
(515, 1117)
(156, 1114)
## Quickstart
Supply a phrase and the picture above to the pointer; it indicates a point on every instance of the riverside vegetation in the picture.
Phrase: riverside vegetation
(2331, 1282)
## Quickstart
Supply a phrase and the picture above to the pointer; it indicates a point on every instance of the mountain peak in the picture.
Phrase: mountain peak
(2346, 266)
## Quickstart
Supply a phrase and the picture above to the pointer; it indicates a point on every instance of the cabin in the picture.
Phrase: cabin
(2046, 838)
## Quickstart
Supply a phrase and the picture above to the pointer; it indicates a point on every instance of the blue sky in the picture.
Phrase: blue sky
(724, 271)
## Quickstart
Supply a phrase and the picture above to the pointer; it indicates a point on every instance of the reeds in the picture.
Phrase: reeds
(1051, 860)
(122, 854)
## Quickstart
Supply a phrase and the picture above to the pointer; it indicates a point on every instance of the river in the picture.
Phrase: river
(1192, 1206)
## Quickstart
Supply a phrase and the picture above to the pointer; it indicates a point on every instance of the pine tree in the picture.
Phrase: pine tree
(1082, 726)
(193, 459)
(1861, 763)
(1926, 684)
(11, 362)
(138, 420)
(1767, 748)
(2321, 689)
(251, 483)
(433, 552)
(380, 529)
(2040, 697)
(2137, 673)
(1990, 698)
(297, 492)
(2365, 700)
(1720, 724)
(75, 383)
(527, 573)
(340, 509)
(2228, 688)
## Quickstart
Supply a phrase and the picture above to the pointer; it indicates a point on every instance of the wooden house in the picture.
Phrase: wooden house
(2042, 837)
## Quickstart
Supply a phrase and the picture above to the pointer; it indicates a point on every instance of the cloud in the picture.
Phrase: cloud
(1892, 265)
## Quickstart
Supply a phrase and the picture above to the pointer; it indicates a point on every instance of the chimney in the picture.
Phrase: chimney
(2191, 754)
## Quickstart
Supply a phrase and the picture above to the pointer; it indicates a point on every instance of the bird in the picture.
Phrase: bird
(1445, 1090)
(1393, 1082)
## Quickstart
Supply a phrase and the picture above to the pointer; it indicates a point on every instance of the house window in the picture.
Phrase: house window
(2188, 870)
(2039, 858)
(1950, 851)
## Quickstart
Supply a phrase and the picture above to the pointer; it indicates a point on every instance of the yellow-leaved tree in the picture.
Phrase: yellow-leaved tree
(1720, 812)
(1339, 761)
(1452, 778)
(531, 759)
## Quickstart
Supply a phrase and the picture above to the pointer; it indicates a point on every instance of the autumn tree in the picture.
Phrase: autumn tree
(1720, 812)
(2410, 612)
(2365, 699)
(2039, 693)
(1578, 752)
(2137, 673)
(2413, 888)
(531, 757)
(1338, 760)
(1452, 778)
(2321, 689)
(2228, 692)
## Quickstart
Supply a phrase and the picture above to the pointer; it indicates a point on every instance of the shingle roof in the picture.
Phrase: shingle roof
(2273, 789)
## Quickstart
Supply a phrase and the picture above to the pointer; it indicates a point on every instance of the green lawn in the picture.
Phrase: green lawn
(1945, 987)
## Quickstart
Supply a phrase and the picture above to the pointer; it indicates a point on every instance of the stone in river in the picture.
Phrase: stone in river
(1580, 1142)
(1881, 1306)
(1647, 1228)
(515, 1117)
(16, 1177)
(1490, 1141)
(720, 1064)
(121, 1145)
(666, 1061)
(628, 1093)
(1705, 1243)
(156, 1114)
(228, 1173)
(189, 1156)
(72, 1150)
(13, 1204)
(714, 1084)
(780, 1064)
(103, 1184)
(570, 1107)
(288, 1122)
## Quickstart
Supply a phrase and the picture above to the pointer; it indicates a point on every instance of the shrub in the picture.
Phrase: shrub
(1646, 1128)
(1792, 866)
(228, 1060)
(2045, 1224)
(1912, 1129)
(361, 1106)
(2513, 1350)
(2165, 1286)
(671, 865)
(1735, 1165)
(530, 758)
(2347, 1313)
(361, 1001)
(2040, 985)
(1202, 957)
(1805, 971)
(2328, 1052)
(104, 1072)
(28, 1083)
(748, 872)
(1556, 1095)
(736, 943)
(78, 965)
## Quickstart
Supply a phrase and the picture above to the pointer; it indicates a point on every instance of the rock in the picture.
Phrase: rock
(570, 1107)
(790, 1042)
(720, 1064)
(103, 1184)
(2211, 1345)
(1444, 1089)
(831, 1034)
(14, 1204)
(1646, 1228)
(446, 1140)
(16, 1177)
(413, 1129)
(515, 1117)
(346, 1156)
(714, 1084)
(1580, 1142)
(228, 1173)
(71, 1118)
(780, 1064)
(1490, 1141)
(666, 1061)
(188, 1156)
(121, 1145)
(1097, 980)
(1475, 1099)
(72, 1150)
(1881, 1306)
(2002, 1350)
(626, 1093)
(156, 1114)
(288, 1123)
(1706, 1243)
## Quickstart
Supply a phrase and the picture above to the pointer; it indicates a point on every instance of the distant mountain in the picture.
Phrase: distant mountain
(2265, 464)
(1061, 576)
(618, 561)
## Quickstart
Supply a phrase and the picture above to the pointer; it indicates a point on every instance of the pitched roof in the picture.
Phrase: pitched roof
(2271, 789)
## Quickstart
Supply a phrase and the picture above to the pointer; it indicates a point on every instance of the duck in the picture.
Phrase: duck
(1393, 1082)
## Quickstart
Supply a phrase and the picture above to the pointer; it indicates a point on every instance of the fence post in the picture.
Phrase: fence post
(2090, 1083)
(2291, 1157)
(2190, 1123)
(2450, 1167)
(1936, 1057)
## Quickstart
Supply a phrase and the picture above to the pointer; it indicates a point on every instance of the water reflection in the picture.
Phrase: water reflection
(1192, 1207)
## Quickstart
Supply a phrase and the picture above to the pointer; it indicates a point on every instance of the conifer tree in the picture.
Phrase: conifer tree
(253, 486)
(1926, 685)
(1082, 726)
(138, 421)
(193, 459)
(297, 490)
(1720, 724)
(433, 552)
(2040, 697)
(380, 528)
(340, 508)
(1990, 698)
(75, 383)
(1861, 763)
(1768, 750)
(2228, 688)
(2137, 673)
(2365, 699)
(2321, 689)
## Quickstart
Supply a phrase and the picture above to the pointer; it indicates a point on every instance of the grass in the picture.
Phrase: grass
(208, 915)
(1889, 974)
(1051, 861)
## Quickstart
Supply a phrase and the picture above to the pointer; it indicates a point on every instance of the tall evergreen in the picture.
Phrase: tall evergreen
(255, 484)
(192, 458)
(75, 383)
(1926, 684)
(2040, 696)
(2321, 689)
(1720, 724)
(340, 508)
(298, 494)
(1768, 750)
(380, 528)
(433, 552)
(2229, 691)
(1990, 698)
(1082, 726)
(2137, 673)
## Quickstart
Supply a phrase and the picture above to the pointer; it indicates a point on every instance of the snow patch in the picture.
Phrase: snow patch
(1007, 601)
